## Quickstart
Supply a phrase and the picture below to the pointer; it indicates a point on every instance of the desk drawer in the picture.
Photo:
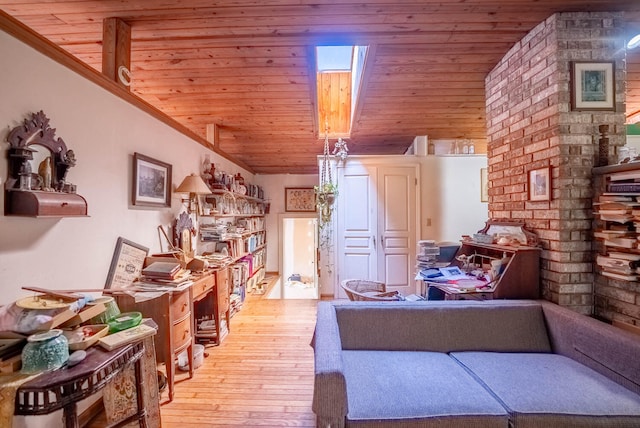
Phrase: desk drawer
(223, 303)
(202, 286)
(180, 305)
(181, 333)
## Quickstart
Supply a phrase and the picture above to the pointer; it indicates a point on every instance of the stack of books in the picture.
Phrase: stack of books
(619, 265)
(624, 182)
(168, 274)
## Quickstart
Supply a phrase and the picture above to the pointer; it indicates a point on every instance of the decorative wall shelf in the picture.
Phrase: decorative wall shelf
(44, 193)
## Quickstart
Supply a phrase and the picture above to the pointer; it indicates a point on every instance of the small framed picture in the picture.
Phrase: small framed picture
(299, 199)
(540, 184)
(151, 183)
(484, 184)
(593, 86)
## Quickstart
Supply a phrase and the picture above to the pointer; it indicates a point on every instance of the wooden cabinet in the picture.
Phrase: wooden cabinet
(172, 312)
(519, 279)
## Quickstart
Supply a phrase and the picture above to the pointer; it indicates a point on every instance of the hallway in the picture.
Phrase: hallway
(261, 375)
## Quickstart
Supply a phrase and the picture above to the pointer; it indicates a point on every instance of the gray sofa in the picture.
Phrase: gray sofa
(472, 364)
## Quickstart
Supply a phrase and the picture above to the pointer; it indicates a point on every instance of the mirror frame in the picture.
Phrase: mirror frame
(36, 131)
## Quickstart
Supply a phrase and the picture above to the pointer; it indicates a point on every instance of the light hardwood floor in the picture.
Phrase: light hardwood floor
(260, 376)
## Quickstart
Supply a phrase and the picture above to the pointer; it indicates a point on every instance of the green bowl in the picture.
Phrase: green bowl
(124, 321)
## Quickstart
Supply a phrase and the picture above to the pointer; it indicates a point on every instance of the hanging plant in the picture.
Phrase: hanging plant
(326, 193)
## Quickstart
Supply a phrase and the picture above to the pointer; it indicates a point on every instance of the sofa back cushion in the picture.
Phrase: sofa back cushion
(499, 326)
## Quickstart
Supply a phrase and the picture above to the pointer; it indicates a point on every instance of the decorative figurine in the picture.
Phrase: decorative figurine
(341, 150)
(44, 170)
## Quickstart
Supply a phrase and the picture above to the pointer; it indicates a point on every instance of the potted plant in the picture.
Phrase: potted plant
(326, 193)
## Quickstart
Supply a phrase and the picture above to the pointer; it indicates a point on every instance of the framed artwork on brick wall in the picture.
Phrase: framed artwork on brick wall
(540, 184)
(484, 184)
(593, 86)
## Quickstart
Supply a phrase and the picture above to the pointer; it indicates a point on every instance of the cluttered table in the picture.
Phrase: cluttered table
(65, 387)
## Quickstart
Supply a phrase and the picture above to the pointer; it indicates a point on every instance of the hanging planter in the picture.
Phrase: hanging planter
(326, 193)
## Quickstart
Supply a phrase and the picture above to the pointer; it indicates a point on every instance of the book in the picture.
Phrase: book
(613, 263)
(622, 277)
(625, 175)
(166, 270)
(621, 242)
(623, 187)
(124, 337)
(624, 256)
(606, 197)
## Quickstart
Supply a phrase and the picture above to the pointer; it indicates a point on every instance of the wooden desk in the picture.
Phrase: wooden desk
(213, 304)
(172, 312)
(63, 388)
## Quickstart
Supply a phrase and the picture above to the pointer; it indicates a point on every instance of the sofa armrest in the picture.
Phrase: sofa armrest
(330, 388)
(608, 350)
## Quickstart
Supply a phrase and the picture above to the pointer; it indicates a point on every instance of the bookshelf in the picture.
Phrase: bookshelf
(616, 210)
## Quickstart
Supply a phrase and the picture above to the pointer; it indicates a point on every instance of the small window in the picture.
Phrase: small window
(334, 58)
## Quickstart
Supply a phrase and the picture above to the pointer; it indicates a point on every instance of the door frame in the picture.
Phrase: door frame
(374, 161)
(281, 218)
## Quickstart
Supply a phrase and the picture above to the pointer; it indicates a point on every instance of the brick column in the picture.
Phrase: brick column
(530, 125)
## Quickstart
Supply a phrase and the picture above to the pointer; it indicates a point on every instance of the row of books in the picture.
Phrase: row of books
(624, 182)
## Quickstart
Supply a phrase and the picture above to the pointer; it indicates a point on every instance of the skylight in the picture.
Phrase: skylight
(338, 78)
(334, 58)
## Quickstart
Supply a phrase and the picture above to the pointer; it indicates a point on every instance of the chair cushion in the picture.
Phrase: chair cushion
(548, 390)
(404, 388)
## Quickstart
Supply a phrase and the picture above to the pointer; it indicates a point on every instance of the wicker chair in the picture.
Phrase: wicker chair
(360, 289)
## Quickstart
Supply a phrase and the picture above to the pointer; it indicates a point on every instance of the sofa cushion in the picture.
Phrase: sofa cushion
(443, 326)
(404, 388)
(547, 390)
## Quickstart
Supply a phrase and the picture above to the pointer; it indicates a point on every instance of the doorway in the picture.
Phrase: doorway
(298, 274)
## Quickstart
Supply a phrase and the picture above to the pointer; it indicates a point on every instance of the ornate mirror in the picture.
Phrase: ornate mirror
(38, 165)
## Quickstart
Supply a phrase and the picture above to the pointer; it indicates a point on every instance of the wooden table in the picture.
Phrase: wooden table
(65, 387)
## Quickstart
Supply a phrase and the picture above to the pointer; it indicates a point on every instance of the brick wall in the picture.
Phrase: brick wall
(530, 125)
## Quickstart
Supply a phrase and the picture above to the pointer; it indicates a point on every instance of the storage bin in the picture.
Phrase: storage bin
(198, 358)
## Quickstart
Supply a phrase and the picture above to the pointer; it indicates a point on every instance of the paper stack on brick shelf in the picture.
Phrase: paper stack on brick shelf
(619, 265)
(620, 211)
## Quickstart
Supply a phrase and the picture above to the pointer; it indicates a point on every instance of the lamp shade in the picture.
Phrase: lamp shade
(193, 184)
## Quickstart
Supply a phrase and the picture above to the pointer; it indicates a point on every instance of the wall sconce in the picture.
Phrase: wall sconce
(194, 185)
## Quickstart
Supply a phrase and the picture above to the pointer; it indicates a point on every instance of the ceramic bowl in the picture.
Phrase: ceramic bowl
(44, 351)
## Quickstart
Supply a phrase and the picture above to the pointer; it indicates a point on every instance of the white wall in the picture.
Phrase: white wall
(450, 196)
(104, 131)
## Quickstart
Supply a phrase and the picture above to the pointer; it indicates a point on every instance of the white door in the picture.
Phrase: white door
(376, 225)
(397, 228)
(357, 224)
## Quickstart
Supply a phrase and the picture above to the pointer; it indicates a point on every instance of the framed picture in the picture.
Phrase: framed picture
(151, 182)
(592, 86)
(299, 199)
(540, 184)
(126, 264)
(484, 184)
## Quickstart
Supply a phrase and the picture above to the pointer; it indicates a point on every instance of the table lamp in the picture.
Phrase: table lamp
(193, 185)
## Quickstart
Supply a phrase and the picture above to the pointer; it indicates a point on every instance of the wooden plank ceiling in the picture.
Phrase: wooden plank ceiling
(247, 65)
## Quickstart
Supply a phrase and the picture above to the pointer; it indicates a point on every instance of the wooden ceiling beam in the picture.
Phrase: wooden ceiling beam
(116, 51)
